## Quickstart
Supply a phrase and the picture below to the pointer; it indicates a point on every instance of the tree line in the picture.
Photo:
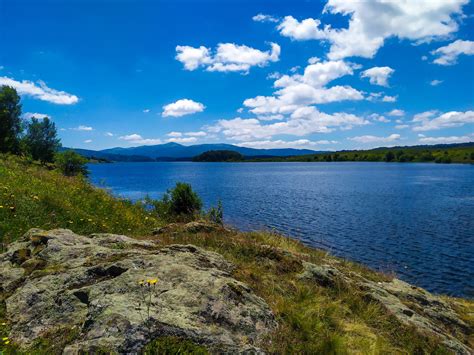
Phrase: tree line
(36, 139)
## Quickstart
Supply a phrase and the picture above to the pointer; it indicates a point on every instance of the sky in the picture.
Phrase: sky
(322, 75)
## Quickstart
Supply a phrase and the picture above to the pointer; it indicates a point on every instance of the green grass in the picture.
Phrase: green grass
(34, 197)
(311, 319)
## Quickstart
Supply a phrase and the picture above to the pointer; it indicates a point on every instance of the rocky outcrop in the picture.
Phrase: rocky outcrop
(191, 227)
(57, 279)
(409, 304)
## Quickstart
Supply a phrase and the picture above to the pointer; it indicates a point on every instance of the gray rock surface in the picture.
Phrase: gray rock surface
(409, 304)
(57, 279)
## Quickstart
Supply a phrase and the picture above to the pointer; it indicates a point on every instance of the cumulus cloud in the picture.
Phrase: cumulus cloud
(83, 128)
(371, 22)
(448, 55)
(271, 144)
(434, 120)
(138, 139)
(195, 134)
(435, 82)
(446, 140)
(402, 126)
(376, 139)
(294, 91)
(264, 18)
(379, 118)
(109, 134)
(146, 110)
(303, 121)
(182, 107)
(378, 75)
(174, 134)
(88, 141)
(228, 57)
(388, 98)
(30, 115)
(182, 139)
(40, 91)
(396, 113)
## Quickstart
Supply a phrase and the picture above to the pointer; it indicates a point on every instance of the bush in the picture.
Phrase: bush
(71, 164)
(216, 214)
(181, 202)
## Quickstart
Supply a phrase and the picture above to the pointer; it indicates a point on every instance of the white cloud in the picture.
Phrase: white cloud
(379, 118)
(182, 140)
(371, 22)
(182, 107)
(83, 128)
(109, 134)
(435, 82)
(449, 54)
(146, 110)
(396, 113)
(446, 140)
(88, 141)
(303, 121)
(138, 139)
(275, 144)
(174, 134)
(40, 91)
(433, 120)
(378, 75)
(310, 88)
(402, 126)
(30, 115)
(313, 60)
(264, 18)
(387, 98)
(228, 57)
(195, 134)
(376, 139)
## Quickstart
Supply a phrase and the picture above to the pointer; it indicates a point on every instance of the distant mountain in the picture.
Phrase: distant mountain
(112, 157)
(175, 151)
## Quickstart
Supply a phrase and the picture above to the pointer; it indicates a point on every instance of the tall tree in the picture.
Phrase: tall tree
(42, 140)
(10, 121)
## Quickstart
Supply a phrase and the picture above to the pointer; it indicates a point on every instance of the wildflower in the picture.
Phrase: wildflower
(7, 342)
(35, 198)
(152, 281)
(1, 206)
(90, 220)
(4, 339)
(141, 282)
(70, 222)
(4, 323)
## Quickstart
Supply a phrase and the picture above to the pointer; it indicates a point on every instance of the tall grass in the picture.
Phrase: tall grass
(34, 197)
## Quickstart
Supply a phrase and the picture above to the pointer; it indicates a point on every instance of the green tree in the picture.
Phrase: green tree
(70, 163)
(10, 121)
(389, 156)
(41, 139)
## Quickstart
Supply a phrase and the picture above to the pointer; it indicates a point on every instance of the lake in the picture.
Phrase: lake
(415, 220)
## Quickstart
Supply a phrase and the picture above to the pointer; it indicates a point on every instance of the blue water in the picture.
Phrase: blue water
(416, 220)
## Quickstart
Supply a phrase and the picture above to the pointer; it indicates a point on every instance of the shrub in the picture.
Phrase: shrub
(10, 121)
(216, 214)
(181, 202)
(71, 164)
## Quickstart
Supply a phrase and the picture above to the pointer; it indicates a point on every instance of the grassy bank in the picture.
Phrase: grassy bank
(313, 319)
(33, 197)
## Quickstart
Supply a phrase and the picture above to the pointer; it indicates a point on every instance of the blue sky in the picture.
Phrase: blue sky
(304, 74)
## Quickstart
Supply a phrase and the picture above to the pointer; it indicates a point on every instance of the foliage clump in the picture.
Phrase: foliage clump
(219, 156)
(71, 164)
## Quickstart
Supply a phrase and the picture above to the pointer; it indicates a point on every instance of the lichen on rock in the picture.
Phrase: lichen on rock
(90, 284)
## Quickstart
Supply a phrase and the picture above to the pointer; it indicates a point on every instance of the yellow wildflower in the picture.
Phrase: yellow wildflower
(152, 281)
(90, 220)
(1, 206)
(6, 338)
(35, 198)
(4, 323)
(7, 342)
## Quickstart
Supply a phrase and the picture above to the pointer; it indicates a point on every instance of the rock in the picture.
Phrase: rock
(91, 284)
(409, 304)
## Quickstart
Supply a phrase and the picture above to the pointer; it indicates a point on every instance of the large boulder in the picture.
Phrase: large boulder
(57, 279)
